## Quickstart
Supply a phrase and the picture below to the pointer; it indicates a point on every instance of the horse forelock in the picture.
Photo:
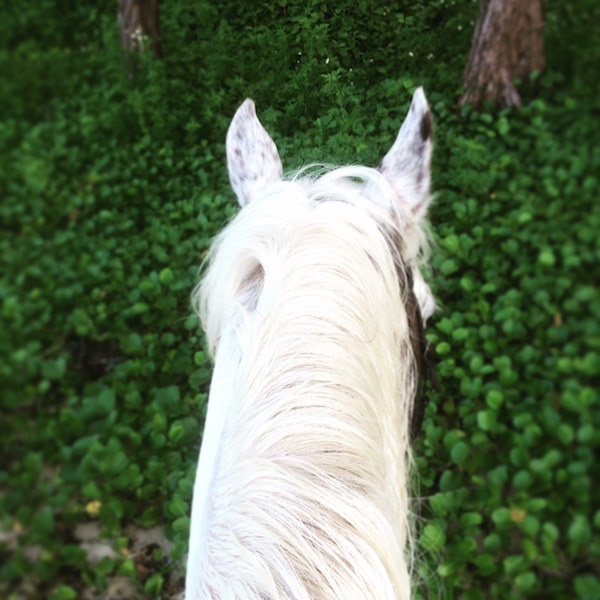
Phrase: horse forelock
(252, 238)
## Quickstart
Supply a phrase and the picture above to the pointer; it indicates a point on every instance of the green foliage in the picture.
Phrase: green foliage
(517, 341)
(111, 188)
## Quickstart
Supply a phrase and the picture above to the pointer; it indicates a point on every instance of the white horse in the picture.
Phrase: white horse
(309, 304)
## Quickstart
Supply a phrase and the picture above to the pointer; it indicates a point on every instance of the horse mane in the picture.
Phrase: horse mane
(306, 464)
(239, 250)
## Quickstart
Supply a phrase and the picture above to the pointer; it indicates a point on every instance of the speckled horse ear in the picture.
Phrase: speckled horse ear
(407, 166)
(252, 158)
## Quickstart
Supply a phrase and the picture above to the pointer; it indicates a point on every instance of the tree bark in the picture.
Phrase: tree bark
(508, 44)
(139, 21)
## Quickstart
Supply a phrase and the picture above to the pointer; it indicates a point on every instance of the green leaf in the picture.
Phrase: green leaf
(153, 585)
(486, 419)
(459, 452)
(139, 308)
(526, 582)
(159, 423)
(587, 587)
(176, 432)
(522, 480)
(167, 397)
(127, 568)
(199, 378)
(547, 258)
(200, 358)
(492, 542)
(43, 521)
(449, 481)
(448, 267)
(442, 503)
(494, 399)
(586, 434)
(451, 243)
(132, 344)
(63, 592)
(530, 525)
(442, 348)
(471, 518)
(55, 370)
(166, 276)
(182, 524)
(178, 506)
(486, 564)
(501, 516)
(467, 284)
(460, 334)
(579, 531)
(514, 564)
(105, 401)
(565, 434)
(433, 538)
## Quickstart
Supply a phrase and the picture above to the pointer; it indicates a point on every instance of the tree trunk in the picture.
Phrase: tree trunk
(139, 21)
(508, 43)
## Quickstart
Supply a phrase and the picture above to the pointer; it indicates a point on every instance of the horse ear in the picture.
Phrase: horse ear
(252, 158)
(407, 165)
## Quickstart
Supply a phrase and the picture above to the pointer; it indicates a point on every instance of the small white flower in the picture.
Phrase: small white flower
(411, 54)
(327, 61)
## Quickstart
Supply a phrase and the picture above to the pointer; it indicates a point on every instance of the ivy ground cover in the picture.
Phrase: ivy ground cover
(112, 183)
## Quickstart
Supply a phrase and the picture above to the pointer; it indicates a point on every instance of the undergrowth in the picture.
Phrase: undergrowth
(111, 188)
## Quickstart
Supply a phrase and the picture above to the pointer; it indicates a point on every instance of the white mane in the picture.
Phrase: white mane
(302, 486)
(255, 237)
